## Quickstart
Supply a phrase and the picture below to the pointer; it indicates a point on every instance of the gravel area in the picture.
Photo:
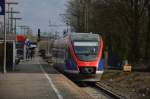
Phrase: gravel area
(135, 85)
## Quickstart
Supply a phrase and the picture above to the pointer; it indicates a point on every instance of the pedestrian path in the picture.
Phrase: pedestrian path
(35, 79)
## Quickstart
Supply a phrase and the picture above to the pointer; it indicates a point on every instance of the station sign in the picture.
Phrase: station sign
(127, 68)
(2, 7)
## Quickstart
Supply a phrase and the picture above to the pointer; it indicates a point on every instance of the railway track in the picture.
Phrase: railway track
(108, 91)
(99, 91)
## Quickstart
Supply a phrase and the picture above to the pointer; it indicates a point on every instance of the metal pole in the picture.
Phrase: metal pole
(10, 12)
(67, 27)
(14, 55)
(15, 27)
(87, 19)
(21, 30)
(85, 14)
(49, 38)
(48, 43)
(8, 17)
(11, 24)
(25, 51)
(4, 68)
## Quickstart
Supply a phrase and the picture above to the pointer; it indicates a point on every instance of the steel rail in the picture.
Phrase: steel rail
(108, 92)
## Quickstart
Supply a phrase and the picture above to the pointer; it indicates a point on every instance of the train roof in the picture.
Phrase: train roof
(84, 36)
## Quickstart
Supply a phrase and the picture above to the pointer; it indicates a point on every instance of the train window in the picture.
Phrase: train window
(87, 51)
(90, 50)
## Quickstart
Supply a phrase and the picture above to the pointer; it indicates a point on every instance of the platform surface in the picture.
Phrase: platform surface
(35, 79)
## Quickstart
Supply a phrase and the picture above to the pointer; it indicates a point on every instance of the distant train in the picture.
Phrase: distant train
(79, 55)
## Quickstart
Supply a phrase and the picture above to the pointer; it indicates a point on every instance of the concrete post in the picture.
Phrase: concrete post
(24, 52)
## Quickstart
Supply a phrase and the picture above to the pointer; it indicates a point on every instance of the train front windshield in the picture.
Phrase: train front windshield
(86, 51)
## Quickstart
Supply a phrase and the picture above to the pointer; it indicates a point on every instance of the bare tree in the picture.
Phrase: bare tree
(122, 23)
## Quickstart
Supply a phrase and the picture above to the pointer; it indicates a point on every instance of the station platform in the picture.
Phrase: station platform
(35, 79)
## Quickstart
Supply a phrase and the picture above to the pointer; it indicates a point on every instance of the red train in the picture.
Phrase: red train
(79, 55)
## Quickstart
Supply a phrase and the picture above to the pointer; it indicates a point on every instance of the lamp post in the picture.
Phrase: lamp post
(15, 19)
(10, 12)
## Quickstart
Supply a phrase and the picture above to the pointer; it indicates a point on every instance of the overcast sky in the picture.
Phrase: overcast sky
(37, 13)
